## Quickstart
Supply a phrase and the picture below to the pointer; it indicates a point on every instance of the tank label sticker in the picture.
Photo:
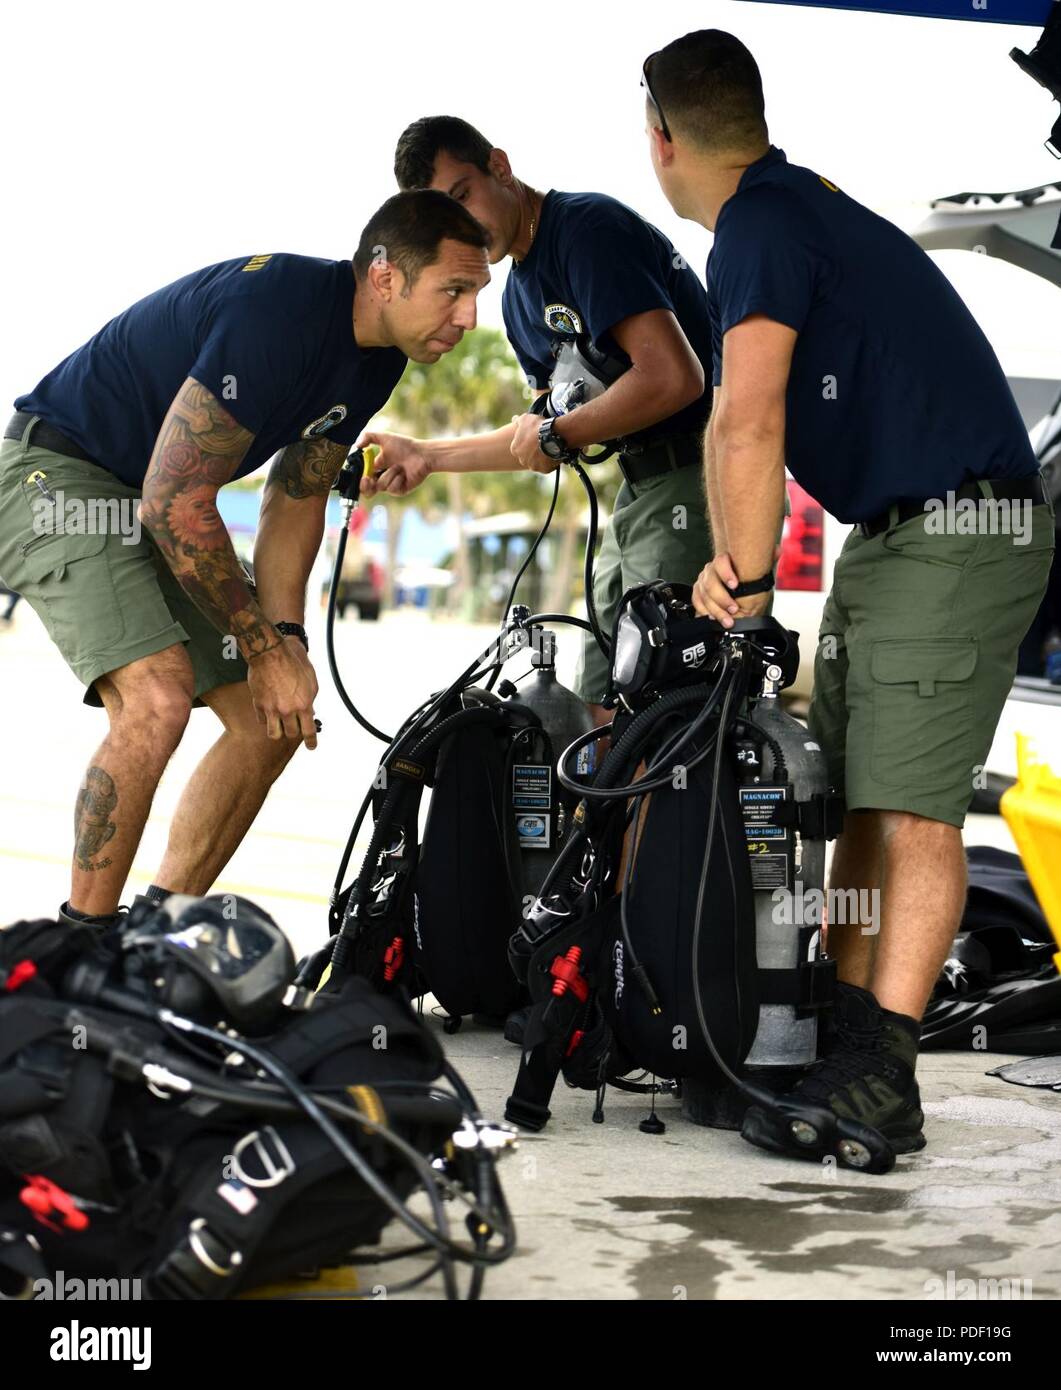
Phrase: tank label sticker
(532, 785)
(532, 799)
(757, 806)
(769, 850)
(534, 832)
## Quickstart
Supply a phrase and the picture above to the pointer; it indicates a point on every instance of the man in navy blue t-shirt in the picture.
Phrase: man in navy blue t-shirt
(590, 276)
(841, 351)
(199, 383)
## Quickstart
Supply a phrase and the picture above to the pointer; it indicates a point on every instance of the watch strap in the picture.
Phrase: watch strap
(293, 630)
(561, 451)
(754, 586)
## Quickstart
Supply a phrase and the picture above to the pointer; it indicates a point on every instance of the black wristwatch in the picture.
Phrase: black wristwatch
(754, 586)
(551, 444)
(293, 630)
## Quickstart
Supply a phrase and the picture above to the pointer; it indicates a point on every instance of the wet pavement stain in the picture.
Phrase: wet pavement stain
(775, 1234)
(872, 1199)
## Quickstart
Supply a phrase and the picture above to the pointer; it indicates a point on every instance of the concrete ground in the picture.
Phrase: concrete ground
(603, 1211)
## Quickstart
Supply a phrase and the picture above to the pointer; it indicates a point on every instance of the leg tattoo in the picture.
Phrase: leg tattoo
(93, 826)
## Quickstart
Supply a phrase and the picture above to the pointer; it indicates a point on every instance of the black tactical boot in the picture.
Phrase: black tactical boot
(70, 917)
(865, 1078)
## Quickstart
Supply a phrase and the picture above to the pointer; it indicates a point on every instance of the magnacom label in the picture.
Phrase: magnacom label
(768, 844)
(532, 800)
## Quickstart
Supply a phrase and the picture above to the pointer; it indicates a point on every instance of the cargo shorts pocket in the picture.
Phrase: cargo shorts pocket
(67, 578)
(923, 711)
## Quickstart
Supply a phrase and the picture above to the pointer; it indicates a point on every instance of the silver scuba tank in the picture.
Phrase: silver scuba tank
(779, 762)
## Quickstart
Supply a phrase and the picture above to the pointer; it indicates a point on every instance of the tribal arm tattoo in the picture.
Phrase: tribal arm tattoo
(307, 468)
(199, 448)
(291, 524)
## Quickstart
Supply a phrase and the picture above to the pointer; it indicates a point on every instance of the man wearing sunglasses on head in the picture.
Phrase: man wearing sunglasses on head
(594, 283)
(841, 350)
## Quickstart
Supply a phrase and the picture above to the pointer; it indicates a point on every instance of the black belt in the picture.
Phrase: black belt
(666, 455)
(45, 437)
(1028, 489)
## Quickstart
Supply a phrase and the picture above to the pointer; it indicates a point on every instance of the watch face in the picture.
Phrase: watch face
(550, 445)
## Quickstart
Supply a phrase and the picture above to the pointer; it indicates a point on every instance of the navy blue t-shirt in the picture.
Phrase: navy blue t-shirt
(894, 390)
(270, 336)
(604, 263)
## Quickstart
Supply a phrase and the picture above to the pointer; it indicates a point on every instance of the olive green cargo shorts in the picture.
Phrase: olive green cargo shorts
(916, 655)
(658, 530)
(98, 583)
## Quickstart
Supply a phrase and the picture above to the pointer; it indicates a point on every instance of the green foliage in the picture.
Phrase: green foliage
(478, 387)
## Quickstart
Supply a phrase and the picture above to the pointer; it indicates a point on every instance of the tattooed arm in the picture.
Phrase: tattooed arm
(199, 448)
(291, 524)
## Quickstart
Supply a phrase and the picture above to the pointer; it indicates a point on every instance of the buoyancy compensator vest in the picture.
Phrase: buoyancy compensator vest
(685, 958)
(432, 912)
(172, 1111)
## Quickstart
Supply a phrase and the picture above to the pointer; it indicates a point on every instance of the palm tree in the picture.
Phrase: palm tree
(476, 387)
(479, 386)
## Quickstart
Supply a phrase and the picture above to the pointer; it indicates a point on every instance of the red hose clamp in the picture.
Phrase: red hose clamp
(46, 1200)
(566, 975)
(19, 974)
(393, 958)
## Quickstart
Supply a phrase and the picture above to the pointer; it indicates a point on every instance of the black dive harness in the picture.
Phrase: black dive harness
(619, 966)
(247, 1139)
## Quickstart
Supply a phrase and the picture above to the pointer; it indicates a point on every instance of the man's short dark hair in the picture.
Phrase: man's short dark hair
(409, 229)
(709, 89)
(420, 144)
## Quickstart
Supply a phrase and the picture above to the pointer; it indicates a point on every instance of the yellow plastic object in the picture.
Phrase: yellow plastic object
(341, 1284)
(1032, 809)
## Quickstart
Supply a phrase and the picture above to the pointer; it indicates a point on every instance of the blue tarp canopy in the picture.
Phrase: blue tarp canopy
(993, 11)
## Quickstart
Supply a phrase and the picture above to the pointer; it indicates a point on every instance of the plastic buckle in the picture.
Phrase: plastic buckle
(818, 980)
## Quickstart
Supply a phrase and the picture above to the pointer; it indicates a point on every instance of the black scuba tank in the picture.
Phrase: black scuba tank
(539, 806)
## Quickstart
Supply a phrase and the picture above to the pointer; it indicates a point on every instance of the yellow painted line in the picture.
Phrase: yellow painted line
(223, 885)
(160, 820)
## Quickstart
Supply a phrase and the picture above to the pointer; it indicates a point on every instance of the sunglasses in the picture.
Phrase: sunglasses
(652, 96)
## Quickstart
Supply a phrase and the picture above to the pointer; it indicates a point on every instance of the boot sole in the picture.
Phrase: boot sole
(853, 1145)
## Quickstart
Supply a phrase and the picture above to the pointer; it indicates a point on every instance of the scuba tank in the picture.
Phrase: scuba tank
(787, 867)
(540, 807)
(788, 811)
